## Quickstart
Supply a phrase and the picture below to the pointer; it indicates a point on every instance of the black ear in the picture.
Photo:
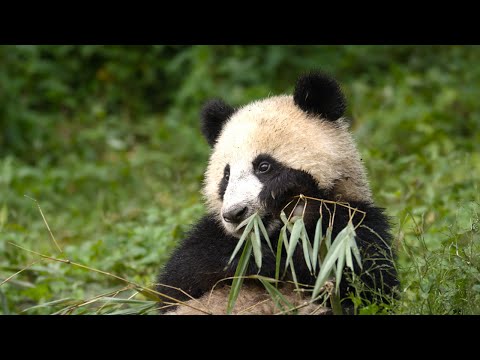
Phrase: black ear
(214, 114)
(319, 94)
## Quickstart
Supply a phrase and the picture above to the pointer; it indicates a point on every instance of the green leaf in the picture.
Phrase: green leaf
(238, 277)
(290, 263)
(307, 249)
(257, 247)
(246, 232)
(340, 266)
(294, 236)
(245, 222)
(356, 251)
(328, 237)
(343, 240)
(348, 257)
(328, 242)
(284, 218)
(281, 238)
(316, 244)
(329, 262)
(265, 233)
(280, 301)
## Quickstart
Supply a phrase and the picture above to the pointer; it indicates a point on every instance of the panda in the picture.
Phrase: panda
(264, 155)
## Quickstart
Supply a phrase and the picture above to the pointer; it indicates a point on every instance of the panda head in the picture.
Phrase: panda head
(267, 152)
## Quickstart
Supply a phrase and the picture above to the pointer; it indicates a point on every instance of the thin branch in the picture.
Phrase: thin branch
(344, 204)
(18, 272)
(46, 223)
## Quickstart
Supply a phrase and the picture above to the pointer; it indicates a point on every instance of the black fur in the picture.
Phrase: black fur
(319, 94)
(200, 261)
(213, 115)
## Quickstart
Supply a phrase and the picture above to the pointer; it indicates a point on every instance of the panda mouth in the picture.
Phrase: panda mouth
(271, 222)
(238, 230)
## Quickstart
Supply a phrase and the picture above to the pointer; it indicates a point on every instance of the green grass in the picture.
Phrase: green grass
(107, 140)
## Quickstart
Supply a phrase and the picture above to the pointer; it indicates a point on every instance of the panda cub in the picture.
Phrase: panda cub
(263, 156)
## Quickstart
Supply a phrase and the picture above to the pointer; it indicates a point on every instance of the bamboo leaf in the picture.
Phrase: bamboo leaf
(343, 240)
(307, 249)
(281, 238)
(352, 247)
(290, 263)
(328, 242)
(328, 237)
(316, 244)
(355, 250)
(284, 218)
(280, 301)
(246, 232)
(238, 277)
(348, 257)
(265, 233)
(341, 264)
(294, 236)
(245, 222)
(329, 262)
(257, 250)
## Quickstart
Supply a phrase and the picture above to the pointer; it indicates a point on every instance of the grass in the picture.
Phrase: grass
(107, 141)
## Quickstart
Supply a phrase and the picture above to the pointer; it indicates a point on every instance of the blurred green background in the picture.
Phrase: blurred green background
(107, 139)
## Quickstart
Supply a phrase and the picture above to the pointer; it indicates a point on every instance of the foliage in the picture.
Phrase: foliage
(106, 138)
(332, 258)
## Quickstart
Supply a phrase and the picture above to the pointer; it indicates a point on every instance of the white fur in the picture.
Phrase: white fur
(243, 190)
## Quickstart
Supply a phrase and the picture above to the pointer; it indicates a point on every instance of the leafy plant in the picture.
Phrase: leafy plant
(332, 260)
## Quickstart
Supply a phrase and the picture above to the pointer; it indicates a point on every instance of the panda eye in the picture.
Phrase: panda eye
(263, 167)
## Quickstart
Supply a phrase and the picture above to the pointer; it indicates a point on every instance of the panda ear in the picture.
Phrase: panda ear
(213, 116)
(319, 94)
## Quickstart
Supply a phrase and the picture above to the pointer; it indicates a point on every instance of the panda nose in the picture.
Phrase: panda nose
(235, 215)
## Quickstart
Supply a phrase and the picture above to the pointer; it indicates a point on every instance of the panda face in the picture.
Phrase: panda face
(265, 186)
(267, 152)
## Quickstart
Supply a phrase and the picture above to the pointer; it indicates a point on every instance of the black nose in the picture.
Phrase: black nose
(235, 215)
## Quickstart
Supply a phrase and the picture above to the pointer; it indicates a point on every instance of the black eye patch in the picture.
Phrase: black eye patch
(266, 167)
(222, 187)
